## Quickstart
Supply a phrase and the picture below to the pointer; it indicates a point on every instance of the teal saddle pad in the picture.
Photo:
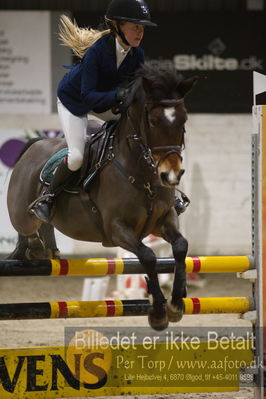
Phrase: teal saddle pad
(50, 167)
(96, 152)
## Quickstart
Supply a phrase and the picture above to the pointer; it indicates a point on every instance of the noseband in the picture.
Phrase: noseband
(167, 150)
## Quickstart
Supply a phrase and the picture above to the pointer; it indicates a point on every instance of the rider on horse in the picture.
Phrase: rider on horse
(92, 86)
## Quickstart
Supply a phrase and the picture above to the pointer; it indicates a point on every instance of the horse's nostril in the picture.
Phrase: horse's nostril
(164, 177)
(168, 179)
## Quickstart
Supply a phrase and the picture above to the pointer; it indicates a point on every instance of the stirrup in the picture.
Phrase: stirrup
(43, 208)
(182, 203)
(46, 196)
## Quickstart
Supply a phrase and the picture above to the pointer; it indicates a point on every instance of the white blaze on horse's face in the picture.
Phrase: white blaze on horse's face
(169, 166)
(170, 114)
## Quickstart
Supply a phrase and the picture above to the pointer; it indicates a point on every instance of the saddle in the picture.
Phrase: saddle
(99, 139)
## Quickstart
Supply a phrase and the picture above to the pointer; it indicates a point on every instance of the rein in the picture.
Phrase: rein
(147, 156)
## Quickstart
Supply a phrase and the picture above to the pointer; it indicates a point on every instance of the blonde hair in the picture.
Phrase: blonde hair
(78, 39)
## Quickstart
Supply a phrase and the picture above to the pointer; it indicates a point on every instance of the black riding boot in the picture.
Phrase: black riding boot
(42, 208)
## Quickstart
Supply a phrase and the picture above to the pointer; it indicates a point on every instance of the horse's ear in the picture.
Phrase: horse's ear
(147, 84)
(187, 85)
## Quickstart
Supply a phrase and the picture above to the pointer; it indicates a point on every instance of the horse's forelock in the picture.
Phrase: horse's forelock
(164, 83)
(165, 80)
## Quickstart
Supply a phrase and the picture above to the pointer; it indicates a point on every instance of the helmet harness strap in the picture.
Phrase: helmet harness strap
(121, 34)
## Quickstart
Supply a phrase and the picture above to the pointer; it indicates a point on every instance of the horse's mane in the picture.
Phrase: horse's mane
(167, 77)
(162, 82)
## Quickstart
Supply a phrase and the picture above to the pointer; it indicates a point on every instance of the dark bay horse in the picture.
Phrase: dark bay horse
(132, 196)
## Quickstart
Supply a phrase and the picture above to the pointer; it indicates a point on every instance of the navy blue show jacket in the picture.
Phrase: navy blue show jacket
(92, 84)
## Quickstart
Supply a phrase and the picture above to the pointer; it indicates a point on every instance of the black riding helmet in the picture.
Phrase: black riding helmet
(135, 11)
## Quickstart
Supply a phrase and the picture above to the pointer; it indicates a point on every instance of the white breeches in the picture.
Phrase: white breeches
(75, 128)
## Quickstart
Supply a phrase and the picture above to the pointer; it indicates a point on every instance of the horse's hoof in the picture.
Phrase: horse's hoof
(175, 313)
(157, 324)
(56, 254)
(32, 254)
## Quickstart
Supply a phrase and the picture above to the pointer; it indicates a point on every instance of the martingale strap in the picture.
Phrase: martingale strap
(131, 179)
(146, 186)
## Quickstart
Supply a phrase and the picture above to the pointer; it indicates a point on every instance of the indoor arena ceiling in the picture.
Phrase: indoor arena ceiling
(155, 5)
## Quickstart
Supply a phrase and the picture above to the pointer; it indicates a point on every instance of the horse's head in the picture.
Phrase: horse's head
(164, 115)
(165, 90)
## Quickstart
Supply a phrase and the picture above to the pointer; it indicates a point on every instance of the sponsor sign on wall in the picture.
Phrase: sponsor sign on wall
(222, 48)
(12, 139)
(11, 143)
(25, 64)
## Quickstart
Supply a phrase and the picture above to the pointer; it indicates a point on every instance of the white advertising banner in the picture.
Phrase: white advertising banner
(8, 140)
(25, 62)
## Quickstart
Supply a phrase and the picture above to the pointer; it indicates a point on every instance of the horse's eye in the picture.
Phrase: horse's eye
(154, 120)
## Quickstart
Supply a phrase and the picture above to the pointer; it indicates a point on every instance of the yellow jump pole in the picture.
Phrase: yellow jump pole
(113, 308)
(105, 266)
(219, 264)
(108, 266)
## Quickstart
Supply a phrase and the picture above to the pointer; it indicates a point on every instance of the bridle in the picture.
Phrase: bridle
(166, 151)
(146, 151)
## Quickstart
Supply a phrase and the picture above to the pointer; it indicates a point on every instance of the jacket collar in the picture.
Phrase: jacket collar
(111, 46)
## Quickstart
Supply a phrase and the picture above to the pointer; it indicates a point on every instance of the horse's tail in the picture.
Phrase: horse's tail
(78, 39)
(27, 146)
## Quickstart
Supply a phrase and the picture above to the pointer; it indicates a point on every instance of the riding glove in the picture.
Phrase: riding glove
(121, 99)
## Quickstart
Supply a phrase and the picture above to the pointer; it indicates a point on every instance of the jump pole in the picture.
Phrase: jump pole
(117, 308)
(111, 266)
(259, 239)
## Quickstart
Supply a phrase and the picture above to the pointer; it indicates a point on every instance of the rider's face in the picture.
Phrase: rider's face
(133, 33)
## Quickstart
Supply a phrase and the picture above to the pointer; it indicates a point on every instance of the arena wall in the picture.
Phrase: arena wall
(218, 181)
(217, 161)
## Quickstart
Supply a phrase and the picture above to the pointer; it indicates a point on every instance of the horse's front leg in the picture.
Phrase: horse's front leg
(20, 250)
(46, 232)
(123, 236)
(170, 232)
